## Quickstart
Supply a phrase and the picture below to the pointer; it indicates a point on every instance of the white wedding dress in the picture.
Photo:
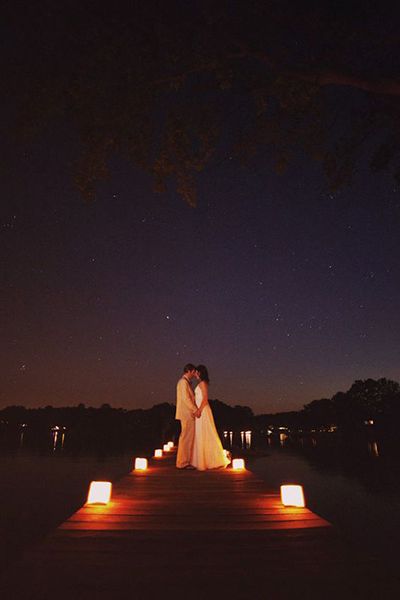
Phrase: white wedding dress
(207, 448)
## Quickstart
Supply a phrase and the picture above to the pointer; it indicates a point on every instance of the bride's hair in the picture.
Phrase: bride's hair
(203, 373)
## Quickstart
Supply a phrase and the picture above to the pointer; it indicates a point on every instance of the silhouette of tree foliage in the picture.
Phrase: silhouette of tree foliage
(231, 417)
(320, 412)
(174, 87)
(107, 428)
(369, 399)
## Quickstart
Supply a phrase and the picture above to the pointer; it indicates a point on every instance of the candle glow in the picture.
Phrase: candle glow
(99, 492)
(140, 464)
(292, 495)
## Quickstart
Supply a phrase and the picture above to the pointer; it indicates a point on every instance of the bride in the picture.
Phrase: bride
(207, 448)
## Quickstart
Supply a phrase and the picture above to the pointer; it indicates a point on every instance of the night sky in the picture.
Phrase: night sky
(288, 292)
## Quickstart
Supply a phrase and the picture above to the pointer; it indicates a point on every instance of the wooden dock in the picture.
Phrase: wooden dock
(170, 534)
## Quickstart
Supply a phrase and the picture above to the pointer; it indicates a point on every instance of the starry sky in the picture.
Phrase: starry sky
(288, 292)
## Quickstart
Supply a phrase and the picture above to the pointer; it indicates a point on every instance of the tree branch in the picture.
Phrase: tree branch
(387, 87)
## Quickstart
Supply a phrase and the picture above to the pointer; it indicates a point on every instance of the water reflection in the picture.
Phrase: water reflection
(22, 434)
(373, 449)
(55, 432)
(344, 483)
(58, 436)
(64, 478)
(282, 438)
(86, 437)
(367, 456)
(246, 439)
(228, 437)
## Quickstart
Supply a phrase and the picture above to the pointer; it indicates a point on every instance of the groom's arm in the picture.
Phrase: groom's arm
(196, 409)
(190, 397)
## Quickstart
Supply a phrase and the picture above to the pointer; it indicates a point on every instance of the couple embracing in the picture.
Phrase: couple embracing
(199, 444)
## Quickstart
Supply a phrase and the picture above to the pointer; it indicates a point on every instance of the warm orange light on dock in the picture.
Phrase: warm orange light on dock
(166, 448)
(99, 492)
(292, 495)
(238, 464)
(158, 453)
(140, 464)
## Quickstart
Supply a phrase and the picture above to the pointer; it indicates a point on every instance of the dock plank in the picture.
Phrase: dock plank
(180, 534)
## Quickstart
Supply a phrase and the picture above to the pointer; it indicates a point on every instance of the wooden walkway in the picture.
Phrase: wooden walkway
(170, 534)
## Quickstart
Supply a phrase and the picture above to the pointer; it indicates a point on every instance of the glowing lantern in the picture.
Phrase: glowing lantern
(171, 445)
(292, 495)
(140, 464)
(99, 492)
(166, 448)
(238, 464)
(158, 453)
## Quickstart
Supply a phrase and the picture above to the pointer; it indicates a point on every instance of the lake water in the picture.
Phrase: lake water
(38, 491)
(360, 497)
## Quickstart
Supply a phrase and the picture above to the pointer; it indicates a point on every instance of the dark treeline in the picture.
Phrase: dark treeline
(367, 402)
(107, 427)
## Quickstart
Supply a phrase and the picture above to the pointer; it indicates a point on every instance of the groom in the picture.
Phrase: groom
(186, 412)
